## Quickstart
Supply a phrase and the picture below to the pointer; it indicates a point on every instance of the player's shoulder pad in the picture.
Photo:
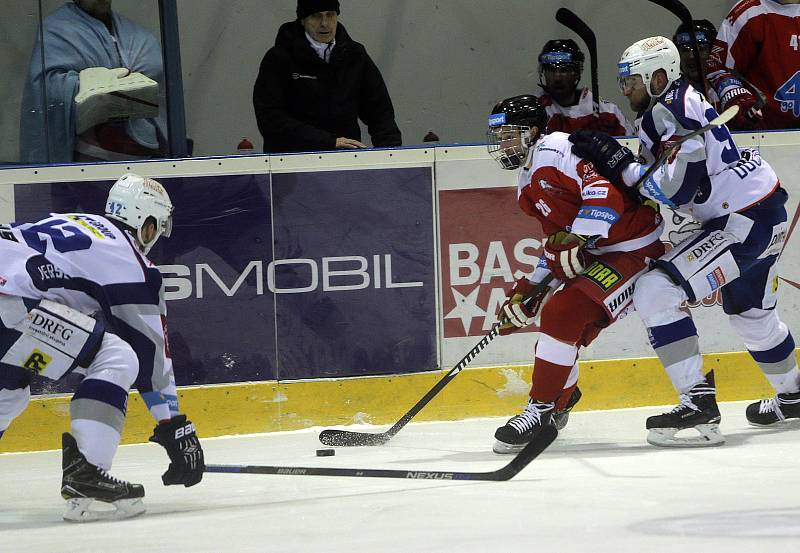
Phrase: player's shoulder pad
(740, 8)
(555, 143)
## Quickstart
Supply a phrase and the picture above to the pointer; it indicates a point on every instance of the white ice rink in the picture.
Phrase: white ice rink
(598, 488)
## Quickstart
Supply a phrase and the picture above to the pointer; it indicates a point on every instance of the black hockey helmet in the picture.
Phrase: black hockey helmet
(510, 124)
(705, 33)
(561, 53)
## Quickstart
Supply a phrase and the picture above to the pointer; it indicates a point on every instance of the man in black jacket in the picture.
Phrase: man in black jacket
(316, 82)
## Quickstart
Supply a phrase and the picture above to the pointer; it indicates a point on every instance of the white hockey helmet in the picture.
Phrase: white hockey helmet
(647, 56)
(133, 200)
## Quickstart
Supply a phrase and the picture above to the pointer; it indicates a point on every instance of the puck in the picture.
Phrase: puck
(326, 452)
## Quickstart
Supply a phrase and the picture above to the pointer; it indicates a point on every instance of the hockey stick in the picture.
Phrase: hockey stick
(539, 443)
(574, 23)
(680, 11)
(343, 438)
(718, 121)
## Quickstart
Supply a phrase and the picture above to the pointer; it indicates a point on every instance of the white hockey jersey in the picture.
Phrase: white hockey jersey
(708, 177)
(85, 262)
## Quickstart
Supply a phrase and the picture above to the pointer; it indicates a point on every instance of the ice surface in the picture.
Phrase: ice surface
(598, 488)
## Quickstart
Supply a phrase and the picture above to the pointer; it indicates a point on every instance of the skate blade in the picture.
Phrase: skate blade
(786, 423)
(560, 420)
(502, 448)
(79, 509)
(666, 437)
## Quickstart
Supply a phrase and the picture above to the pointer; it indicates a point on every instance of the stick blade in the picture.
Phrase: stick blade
(530, 452)
(346, 438)
(725, 116)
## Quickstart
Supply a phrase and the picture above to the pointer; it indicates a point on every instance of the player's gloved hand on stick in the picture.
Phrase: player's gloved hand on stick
(187, 464)
(749, 116)
(564, 256)
(609, 157)
(514, 314)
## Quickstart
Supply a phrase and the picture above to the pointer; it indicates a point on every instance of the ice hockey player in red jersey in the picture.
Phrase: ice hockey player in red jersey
(704, 33)
(599, 241)
(758, 49)
(569, 107)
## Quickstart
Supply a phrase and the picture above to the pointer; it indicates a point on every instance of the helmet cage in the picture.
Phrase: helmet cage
(508, 144)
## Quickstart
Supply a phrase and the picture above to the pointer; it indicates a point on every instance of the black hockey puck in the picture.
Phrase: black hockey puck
(326, 452)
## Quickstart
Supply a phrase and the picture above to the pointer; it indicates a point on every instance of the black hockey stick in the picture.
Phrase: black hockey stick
(570, 20)
(718, 121)
(344, 438)
(680, 11)
(539, 443)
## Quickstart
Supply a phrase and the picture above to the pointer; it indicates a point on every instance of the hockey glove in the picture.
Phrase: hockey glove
(563, 254)
(609, 157)
(178, 437)
(605, 123)
(514, 314)
(733, 93)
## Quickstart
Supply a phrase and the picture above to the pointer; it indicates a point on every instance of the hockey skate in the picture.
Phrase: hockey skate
(82, 483)
(521, 429)
(698, 410)
(775, 410)
(560, 418)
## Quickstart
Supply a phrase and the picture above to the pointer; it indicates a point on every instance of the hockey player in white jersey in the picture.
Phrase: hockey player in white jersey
(55, 275)
(738, 200)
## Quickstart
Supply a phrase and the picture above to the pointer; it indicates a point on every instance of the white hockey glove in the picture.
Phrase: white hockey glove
(106, 94)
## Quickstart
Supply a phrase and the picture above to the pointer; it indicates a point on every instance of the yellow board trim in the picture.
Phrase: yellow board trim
(482, 392)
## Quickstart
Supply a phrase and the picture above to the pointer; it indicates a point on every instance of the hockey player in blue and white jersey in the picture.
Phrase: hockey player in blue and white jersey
(78, 295)
(738, 200)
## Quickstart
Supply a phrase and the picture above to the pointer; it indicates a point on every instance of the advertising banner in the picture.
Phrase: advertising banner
(355, 289)
(289, 276)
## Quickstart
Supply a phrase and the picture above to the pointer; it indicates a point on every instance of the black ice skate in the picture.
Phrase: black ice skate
(697, 409)
(82, 483)
(521, 429)
(560, 418)
(775, 410)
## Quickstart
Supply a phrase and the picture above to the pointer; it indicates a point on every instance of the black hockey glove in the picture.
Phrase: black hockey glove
(609, 157)
(185, 452)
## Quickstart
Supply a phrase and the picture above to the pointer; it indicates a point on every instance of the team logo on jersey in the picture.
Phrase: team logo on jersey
(2, 281)
(711, 244)
(6, 234)
(605, 276)
(37, 361)
(621, 300)
(716, 278)
(592, 193)
(598, 214)
(96, 228)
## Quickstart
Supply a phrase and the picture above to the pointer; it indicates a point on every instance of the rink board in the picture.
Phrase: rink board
(491, 391)
(440, 242)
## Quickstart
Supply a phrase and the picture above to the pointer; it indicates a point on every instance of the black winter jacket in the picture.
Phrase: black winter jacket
(304, 104)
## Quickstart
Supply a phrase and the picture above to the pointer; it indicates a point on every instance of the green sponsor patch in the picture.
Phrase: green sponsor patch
(603, 275)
